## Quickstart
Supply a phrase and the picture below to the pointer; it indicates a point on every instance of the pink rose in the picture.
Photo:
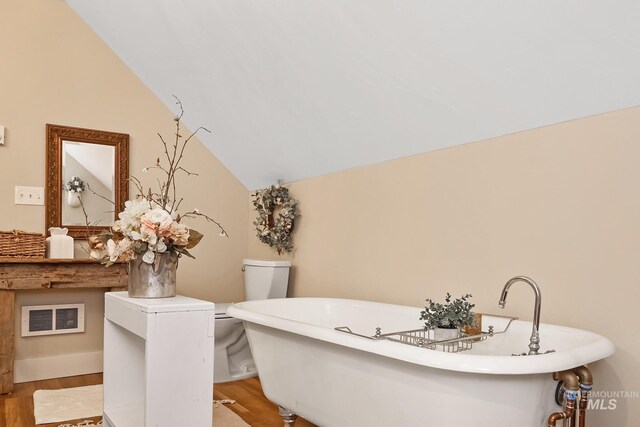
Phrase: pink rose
(156, 221)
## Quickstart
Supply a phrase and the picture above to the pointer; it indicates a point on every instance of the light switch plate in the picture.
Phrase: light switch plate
(29, 195)
(1, 135)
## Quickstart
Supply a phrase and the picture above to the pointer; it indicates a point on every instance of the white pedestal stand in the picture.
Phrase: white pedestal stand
(158, 361)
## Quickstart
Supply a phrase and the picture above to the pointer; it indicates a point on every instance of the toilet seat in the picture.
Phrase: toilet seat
(221, 310)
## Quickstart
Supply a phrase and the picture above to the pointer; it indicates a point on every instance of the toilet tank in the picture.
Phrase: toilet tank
(265, 279)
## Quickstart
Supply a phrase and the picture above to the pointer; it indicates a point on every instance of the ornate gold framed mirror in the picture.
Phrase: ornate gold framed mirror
(87, 179)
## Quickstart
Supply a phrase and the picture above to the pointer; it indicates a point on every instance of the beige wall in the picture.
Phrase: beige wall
(560, 204)
(56, 70)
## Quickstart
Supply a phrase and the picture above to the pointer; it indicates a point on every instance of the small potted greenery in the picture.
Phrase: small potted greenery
(452, 315)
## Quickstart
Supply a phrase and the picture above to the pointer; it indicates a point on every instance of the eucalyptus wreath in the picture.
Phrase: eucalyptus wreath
(277, 212)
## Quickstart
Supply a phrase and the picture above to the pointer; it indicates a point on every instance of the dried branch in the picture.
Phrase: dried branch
(99, 195)
(88, 224)
(136, 182)
(164, 144)
(166, 198)
(195, 213)
(186, 171)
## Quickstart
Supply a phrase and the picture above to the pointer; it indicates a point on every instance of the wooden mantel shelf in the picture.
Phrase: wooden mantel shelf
(45, 273)
(30, 273)
(16, 260)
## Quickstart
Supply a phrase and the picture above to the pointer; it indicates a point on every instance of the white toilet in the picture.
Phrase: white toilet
(232, 359)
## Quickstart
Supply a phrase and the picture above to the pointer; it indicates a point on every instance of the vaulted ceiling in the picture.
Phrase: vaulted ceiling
(299, 88)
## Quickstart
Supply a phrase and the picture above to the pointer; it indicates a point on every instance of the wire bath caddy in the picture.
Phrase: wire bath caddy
(424, 338)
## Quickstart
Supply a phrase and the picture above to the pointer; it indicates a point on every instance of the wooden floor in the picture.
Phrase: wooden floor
(252, 405)
(16, 409)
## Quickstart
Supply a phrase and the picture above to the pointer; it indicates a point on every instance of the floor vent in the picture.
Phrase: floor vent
(52, 319)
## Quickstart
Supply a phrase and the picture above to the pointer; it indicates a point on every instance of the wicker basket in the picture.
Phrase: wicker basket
(21, 244)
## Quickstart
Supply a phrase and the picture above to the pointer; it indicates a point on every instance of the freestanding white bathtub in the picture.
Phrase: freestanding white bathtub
(332, 378)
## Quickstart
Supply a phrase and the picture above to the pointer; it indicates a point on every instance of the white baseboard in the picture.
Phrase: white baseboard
(66, 365)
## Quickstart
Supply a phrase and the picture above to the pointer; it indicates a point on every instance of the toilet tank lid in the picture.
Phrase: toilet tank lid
(261, 263)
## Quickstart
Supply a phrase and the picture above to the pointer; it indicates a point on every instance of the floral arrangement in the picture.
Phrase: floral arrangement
(276, 215)
(150, 224)
(450, 315)
(75, 185)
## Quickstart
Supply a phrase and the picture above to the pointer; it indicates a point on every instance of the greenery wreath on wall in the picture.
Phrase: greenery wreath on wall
(277, 212)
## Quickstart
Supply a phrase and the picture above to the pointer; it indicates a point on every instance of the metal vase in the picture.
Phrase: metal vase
(156, 280)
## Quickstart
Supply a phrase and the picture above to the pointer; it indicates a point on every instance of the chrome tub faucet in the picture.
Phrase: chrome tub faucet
(534, 342)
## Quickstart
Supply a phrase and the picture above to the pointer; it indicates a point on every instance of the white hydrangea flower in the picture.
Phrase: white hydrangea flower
(116, 250)
(135, 208)
(160, 246)
(147, 236)
(149, 257)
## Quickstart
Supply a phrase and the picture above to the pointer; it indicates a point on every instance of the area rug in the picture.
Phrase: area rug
(225, 417)
(86, 423)
(50, 406)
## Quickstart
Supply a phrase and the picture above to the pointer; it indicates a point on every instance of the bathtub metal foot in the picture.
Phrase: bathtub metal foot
(288, 417)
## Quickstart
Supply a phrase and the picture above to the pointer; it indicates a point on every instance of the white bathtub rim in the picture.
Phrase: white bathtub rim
(461, 362)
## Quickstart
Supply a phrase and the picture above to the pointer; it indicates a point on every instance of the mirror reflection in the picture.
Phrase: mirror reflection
(88, 175)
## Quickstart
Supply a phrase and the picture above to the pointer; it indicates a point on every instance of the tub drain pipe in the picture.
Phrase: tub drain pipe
(586, 384)
(572, 386)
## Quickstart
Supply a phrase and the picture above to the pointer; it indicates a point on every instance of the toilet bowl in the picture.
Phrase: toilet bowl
(232, 359)
(232, 355)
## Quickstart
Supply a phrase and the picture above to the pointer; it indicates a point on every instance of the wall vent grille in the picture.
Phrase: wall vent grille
(52, 319)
